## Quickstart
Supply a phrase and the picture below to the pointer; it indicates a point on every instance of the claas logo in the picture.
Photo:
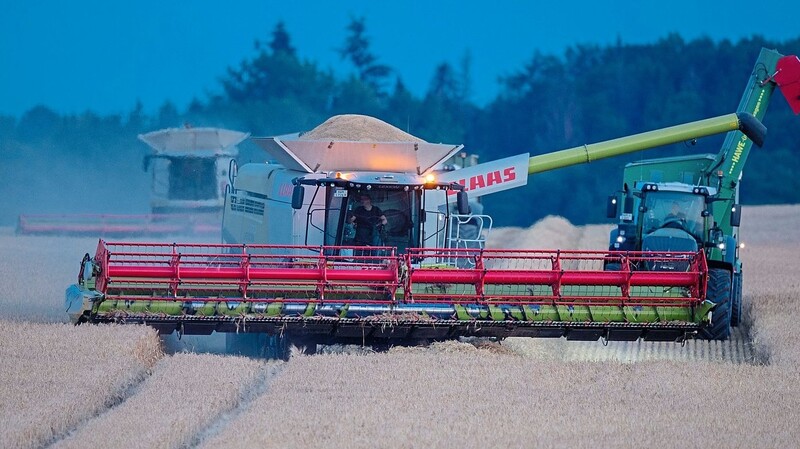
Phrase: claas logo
(484, 180)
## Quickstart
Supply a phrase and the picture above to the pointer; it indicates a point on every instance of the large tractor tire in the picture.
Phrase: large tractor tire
(718, 291)
(736, 300)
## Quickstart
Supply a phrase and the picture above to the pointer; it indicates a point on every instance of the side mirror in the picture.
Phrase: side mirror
(297, 197)
(462, 201)
(736, 214)
(611, 207)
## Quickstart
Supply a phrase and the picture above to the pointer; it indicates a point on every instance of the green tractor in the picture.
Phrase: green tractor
(691, 203)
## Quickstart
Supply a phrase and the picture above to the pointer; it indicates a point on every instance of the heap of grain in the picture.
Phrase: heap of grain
(550, 232)
(361, 128)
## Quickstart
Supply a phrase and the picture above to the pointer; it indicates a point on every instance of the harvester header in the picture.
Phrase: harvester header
(319, 293)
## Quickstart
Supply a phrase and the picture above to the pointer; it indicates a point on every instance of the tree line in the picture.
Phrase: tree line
(588, 94)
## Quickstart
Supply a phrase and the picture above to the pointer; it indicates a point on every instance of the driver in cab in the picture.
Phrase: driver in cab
(677, 218)
(675, 213)
(366, 219)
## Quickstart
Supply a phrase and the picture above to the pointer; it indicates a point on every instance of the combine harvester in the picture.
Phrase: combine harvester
(291, 271)
(190, 171)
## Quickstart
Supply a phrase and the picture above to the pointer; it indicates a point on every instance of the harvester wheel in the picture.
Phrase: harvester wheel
(245, 344)
(736, 300)
(718, 292)
(257, 345)
(277, 347)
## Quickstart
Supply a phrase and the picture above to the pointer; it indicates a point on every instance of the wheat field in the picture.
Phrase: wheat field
(100, 386)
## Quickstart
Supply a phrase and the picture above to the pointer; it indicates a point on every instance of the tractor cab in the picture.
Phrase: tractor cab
(673, 209)
(666, 216)
(377, 209)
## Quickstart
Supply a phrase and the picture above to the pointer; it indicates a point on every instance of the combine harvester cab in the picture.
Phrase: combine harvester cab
(293, 269)
(189, 169)
(691, 203)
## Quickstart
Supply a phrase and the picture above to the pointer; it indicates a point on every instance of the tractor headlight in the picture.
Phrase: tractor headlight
(620, 239)
(721, 246)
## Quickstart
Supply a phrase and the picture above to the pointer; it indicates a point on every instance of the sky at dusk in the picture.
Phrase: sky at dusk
(80, 55)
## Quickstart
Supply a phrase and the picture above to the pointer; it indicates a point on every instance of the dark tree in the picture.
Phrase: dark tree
(444, 84)
(356, 49)
(281, 42)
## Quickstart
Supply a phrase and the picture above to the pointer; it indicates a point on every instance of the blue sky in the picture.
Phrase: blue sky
(103, 56)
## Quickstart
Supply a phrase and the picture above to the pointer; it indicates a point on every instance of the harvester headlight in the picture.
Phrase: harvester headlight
(369, 186)
(613, 201)
(721, 246)
(620, 239)
(430, 179)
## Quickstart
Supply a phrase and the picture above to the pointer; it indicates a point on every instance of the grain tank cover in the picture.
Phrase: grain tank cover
(314, 156)
(354, 142)
(201, 142)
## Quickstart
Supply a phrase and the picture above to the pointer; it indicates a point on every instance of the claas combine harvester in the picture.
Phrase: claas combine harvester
(293, 270)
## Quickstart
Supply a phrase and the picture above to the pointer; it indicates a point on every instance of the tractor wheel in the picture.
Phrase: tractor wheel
(736, 300)
(718, 292)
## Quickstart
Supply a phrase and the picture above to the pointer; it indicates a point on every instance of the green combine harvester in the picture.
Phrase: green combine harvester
(365, 242)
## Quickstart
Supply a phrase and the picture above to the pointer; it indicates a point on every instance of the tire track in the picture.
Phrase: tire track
(268, 372)
(185, 395)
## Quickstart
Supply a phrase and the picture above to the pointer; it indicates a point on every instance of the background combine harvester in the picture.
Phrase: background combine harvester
(189, 169)
(291, 271)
